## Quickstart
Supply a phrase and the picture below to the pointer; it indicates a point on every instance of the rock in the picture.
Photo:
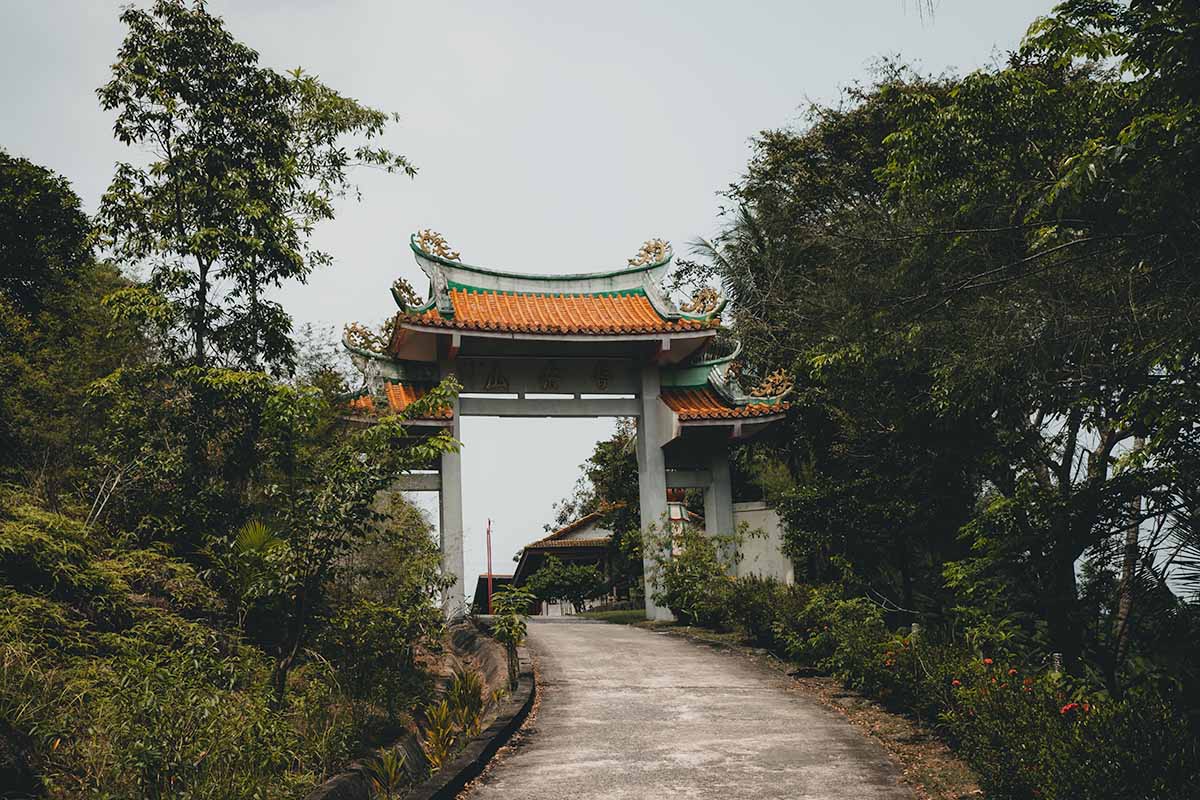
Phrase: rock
(17, 779)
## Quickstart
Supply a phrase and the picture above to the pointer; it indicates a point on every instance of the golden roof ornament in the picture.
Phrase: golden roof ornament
(652, 252)
(776, 384)
(361, 337)
(433, 243)
(405, 291)
(704, 301)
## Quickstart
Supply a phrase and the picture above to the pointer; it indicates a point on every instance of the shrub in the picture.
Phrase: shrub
(692, 577)
(574, 583)
(465, 695)
(754, 606)
(1028, 732)
(373, 647)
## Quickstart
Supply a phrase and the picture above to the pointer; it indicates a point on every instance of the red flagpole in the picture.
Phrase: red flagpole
(489, 549)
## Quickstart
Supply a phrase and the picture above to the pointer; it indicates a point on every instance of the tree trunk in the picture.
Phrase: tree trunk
(200, 315)
(1061, 610)
(514, 666)
(1129, 565)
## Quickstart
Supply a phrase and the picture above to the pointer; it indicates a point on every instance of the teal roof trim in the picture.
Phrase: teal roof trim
(575, 276)
(462, 287)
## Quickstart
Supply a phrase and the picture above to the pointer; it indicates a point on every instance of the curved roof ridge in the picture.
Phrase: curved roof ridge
(489, 272)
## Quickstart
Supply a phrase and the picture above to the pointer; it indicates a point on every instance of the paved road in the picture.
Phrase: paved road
(629, 713)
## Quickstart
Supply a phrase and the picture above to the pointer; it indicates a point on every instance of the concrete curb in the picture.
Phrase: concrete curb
(447, 782)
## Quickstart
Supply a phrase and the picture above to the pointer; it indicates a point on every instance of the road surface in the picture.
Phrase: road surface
(630, 713)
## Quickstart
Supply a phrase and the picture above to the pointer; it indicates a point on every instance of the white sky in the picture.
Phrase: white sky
(550, 137)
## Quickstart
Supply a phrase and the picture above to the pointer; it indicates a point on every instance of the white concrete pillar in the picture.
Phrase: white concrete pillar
(451, 528)
(652, 479)
(718, 497)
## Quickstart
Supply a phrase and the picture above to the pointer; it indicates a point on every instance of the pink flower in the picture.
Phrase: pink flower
(956, 683)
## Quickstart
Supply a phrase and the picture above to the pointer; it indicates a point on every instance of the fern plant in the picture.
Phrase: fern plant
(465, 695)
(385, 771)
(440, 735)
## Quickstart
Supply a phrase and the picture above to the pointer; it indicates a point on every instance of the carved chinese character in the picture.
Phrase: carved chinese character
(497, 381)
(550, 378)
(601, 375)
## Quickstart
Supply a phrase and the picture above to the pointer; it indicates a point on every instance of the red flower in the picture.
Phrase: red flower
(1087, 709)
(1068, 708)
(1012, 672)
(956, 682)
(987, 661)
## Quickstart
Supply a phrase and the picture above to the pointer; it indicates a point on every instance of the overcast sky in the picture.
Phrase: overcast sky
(550, 137)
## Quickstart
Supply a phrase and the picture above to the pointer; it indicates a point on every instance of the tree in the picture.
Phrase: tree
(326, 513)
(44, 245)
(573, 583)
(55, 334)
(245, 162)
(985, 301)
(511, 606)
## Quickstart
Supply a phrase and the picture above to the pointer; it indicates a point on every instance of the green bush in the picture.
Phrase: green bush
(692, 579)
(120, 670)
(1028, 732)
(753, 606)
(373, 647)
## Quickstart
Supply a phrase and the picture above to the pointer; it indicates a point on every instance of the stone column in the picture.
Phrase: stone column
(451, 527)
(718, 497)
(652, 479)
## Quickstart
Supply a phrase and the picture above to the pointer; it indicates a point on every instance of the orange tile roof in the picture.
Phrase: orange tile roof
(400, 396)
(704, 403)
(602, 314)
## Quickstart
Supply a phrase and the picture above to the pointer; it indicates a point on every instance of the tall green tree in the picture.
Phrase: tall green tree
(55, 334)
(44, 235)
(245, 161)
(986, 303)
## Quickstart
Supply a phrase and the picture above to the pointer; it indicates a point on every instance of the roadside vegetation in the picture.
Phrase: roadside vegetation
(202, 594)
(984, 286)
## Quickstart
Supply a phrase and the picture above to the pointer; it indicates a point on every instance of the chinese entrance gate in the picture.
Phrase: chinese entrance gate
(586, 345)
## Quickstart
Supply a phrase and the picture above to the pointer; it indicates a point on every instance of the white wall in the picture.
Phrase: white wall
(762, 556)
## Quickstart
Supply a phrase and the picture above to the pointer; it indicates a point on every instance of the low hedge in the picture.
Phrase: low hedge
(1029, 731)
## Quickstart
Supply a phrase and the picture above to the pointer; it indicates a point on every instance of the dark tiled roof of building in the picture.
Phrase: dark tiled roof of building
(561, 544)
(558, 538)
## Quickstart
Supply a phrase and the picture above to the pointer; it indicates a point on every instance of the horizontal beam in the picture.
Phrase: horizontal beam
(546, 407)
(688, 479)
(531, 375)
(419, 482)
